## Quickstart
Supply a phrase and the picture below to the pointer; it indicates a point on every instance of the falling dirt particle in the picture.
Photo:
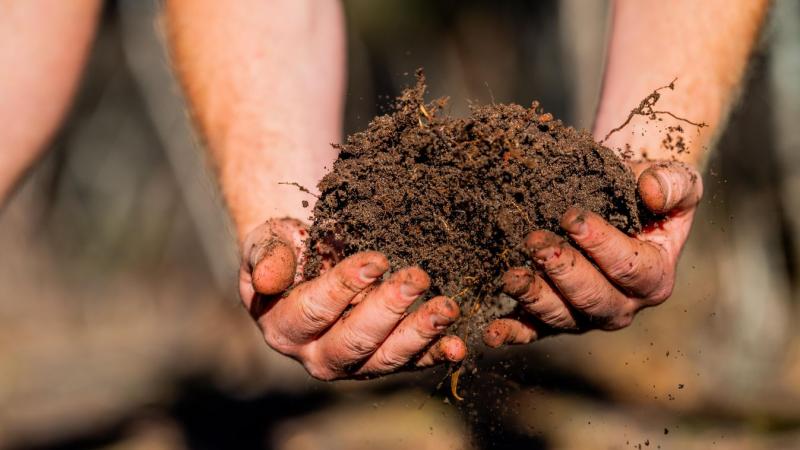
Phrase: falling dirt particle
(304, 203)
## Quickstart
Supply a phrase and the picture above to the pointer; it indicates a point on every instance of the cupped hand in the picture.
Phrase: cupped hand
(349, 322)
(609, 276)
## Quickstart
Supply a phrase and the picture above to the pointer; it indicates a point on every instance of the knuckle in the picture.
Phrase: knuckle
(619, 321)
(626, 270)
(343, 282)
(395, 305)
(589, 300)
(385, 360)
(355, 344)
(313, 314)
(558, 318)
(321, 372)
(318, 364)
(562, 265)
(278, 342)
(663, 292)
(596, 239)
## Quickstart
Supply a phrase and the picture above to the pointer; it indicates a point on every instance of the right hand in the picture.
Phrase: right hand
(311, 321)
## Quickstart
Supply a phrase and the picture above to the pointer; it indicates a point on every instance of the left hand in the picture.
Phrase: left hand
(611, 276)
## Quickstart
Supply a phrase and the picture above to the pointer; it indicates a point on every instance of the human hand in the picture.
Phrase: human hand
(310, 320)
(610, 276)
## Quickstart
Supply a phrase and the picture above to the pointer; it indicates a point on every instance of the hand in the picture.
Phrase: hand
(611, 276)
(311, 321)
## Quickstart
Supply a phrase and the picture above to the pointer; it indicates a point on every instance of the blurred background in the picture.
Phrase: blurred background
(120, 327)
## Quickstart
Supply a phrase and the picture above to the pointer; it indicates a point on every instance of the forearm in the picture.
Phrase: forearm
(705, 45)
(43, 48)
(265, 83)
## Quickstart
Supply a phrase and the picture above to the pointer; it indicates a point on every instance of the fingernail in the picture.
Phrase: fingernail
(541, 239)
(259, 250)
(371, 272)
(410, 290)
(665, 185)
(516, 283)
(452, 306)
(574, 221)
(440, 322)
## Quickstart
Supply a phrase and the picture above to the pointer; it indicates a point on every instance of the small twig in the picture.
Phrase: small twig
(444, 223)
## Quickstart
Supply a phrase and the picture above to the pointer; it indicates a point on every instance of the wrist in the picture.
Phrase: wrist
(262, 177)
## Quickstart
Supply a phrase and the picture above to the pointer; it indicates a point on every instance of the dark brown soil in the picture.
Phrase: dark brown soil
(457, 196)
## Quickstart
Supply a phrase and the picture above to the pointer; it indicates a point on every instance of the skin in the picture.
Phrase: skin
(37, 92)
(265, 83)
(604, 277)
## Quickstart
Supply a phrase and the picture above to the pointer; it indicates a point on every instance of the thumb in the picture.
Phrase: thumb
(272, 255)
(274, 265)
(670, 187)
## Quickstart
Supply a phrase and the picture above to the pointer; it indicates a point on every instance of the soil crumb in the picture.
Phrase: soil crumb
(457, 196)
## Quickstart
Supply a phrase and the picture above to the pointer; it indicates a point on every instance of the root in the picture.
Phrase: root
(424, 112)
(457, 373)
(300, 187)
(463, 291)
(645, 108)
(454, 384)
(444, 223)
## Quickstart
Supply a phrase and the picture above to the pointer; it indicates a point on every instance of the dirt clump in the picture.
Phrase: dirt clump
(457, 196)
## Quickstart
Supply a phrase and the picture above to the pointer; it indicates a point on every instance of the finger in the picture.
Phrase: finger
(578, 281)
(670, 187)
(361, 332)
(447, 349)
(538, 298)
(275, 268)
(413, 335)
(271, 255)
(314, 305)
(638, 266)
(508, 331)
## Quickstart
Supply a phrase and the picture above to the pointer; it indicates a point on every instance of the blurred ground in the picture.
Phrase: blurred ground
(118, 322)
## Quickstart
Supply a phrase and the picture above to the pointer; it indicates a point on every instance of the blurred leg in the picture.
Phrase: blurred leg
(43, 47)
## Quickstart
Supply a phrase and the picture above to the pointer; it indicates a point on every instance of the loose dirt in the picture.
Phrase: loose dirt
(457, 196)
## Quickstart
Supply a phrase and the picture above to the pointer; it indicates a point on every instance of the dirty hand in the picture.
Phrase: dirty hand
(611, 276)
(312, 321)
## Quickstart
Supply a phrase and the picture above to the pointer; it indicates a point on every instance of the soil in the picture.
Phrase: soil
(457, 196)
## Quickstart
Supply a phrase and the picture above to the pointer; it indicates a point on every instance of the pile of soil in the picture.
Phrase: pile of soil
(457, 196)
